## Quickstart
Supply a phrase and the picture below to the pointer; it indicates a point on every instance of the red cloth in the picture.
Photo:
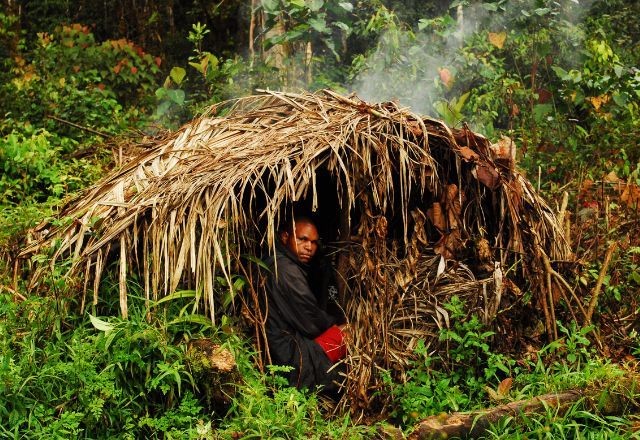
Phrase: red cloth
(332, 342)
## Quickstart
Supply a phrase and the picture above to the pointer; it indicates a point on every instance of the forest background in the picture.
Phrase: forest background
(561, 78)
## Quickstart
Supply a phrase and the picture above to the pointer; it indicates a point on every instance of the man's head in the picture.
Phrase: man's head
(301, 238)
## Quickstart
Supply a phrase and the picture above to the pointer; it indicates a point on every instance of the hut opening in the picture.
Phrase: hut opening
(416, 213)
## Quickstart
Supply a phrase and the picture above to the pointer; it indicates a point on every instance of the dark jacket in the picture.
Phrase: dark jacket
(294, 318)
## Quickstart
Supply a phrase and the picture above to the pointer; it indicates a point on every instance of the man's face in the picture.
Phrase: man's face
(303, 243)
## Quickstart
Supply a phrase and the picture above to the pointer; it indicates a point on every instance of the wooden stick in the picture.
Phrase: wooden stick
(598, 288)
(14, 292)
(79, 127)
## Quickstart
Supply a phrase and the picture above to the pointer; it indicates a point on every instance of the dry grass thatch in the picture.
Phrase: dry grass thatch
(419, 212)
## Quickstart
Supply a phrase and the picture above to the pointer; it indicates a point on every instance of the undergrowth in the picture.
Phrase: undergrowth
(470, 376)
(64, 375)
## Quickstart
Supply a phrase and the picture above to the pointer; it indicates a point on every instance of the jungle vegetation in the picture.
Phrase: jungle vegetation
(561, 78)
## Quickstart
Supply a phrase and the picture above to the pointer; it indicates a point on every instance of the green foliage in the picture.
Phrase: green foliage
(457, 378)
(567, 91)
(34, 169)
(266, 407)
(566, 364)
(69, 76)
(321, 21)
(62, 377)
(469, 375)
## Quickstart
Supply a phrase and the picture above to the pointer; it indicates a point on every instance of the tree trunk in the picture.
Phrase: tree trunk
(13, 8)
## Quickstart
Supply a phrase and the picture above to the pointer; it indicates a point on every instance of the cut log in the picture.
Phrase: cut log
(475, 423)
(615, 398)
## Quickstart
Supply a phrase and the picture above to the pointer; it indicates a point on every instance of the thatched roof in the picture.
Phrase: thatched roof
(418, 211)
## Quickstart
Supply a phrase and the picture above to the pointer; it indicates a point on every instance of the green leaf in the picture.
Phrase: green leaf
(177, 74)
(163, 108)
(256, 260)
(296, 32)
(347, 6)
(541, 110)
(459, 104)
(101, 325)
(239, 283)
(620, 99)
(423, 23)
(193, 319)
(176, 96)
(319, 24)
(345, 27)
(315, 5)
(176, 295)
(618, 69)
(270, 5)
(297, 4)
(542, 11)
(562, 74)
(212, 60)
(198, 66)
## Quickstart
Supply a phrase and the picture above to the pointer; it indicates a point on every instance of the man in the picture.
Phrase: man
(300, 332)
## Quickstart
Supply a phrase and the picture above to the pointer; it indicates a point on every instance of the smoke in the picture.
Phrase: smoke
(417, 69)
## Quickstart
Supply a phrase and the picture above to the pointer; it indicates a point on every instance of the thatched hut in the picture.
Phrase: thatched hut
(415, 212)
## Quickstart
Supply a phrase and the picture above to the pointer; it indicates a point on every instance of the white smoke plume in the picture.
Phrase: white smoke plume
(414, 68)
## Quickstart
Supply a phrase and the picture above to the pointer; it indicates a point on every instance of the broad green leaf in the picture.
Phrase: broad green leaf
(212, 60)
(618, 69)
(423, 23)
(620, 99)
(540, 111)
(176, 95)
(562, 74)
(315, 5)
(459, 104)
(542, 11)
(270, 5)
(297, 4)
(332, 47)
(99, 324)
(239, 283)
(198, 66)
(347, 6)
(345, 27)
(296, 33)
(177, 74)
(319, 24)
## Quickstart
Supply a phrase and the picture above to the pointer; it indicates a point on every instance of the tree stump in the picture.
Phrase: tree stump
(215, 372)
